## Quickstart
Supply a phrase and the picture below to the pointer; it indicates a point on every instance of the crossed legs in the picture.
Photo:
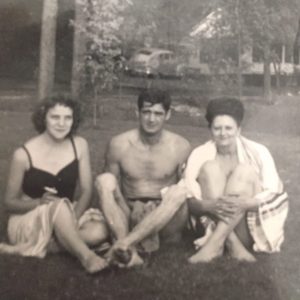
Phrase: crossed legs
(233, 234)
(117, 214)
(116, 211)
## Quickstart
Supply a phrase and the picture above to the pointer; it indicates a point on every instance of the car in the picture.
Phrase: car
(154, 62)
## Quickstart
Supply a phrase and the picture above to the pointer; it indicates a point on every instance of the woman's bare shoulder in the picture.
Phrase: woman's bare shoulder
(80, 141)
(81, 145)
(20, 157)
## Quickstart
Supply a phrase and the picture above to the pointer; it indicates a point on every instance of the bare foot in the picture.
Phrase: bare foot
(122, 256)
(125, 258)
(205, 255)
(94, 263)
(241, 253)
(135, 260)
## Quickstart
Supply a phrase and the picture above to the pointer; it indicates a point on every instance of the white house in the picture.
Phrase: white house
(252, 57)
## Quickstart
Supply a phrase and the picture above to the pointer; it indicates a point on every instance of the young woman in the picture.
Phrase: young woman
(41, 187)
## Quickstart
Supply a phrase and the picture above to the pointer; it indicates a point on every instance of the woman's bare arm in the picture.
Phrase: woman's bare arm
(13, 196)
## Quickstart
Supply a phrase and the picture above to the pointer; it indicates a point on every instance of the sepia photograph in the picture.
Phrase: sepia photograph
(150, 149)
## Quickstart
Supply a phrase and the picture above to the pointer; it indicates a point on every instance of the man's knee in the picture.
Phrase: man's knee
(106, 182)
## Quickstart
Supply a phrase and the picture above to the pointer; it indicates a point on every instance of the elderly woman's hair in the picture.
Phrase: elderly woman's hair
(225, 106)
(154, 96)
(39, 115)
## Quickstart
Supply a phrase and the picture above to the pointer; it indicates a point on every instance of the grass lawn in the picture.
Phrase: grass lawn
(167, 275)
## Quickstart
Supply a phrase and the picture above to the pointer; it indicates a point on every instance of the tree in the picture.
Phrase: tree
(79, 49)
(273, 22)
(47, 49)
(103, 19)
(160, 23)
(260, 22)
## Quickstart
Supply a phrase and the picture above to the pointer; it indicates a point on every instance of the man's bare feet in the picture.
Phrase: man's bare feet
(135, 260)
(124, 257)
(205, 255)
(94, 263)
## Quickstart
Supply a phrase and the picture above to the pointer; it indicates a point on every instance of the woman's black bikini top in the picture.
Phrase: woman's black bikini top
(64, 182)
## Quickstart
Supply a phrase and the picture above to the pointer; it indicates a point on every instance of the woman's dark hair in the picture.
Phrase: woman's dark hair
(225, 106)
(154, 96)
(39, 115)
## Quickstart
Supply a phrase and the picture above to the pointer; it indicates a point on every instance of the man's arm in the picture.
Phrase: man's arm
(183, 154)
(112, 158)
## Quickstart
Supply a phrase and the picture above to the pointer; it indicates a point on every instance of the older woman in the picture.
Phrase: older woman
(233, 182)
(41, 188)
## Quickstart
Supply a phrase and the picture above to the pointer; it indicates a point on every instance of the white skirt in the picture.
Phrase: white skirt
(29, 234)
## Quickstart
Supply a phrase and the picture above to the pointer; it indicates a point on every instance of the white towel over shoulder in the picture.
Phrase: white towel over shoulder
(267, 224)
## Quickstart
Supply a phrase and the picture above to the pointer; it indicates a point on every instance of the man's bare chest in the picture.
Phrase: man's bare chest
(149, 164)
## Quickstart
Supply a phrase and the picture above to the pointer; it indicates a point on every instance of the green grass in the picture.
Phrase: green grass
(167, 275)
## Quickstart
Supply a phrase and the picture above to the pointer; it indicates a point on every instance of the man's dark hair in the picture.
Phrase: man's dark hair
(39, 115)
(154, 96)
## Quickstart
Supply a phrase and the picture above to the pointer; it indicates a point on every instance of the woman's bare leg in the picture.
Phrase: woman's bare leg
(243, 181)
(93, 233)
(213, 182)
(239, 183)
(68, 236)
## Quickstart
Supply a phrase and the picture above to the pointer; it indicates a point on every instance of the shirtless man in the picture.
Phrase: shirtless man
(139, 164)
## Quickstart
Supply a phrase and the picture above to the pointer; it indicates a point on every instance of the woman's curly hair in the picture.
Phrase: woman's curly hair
(225, 106)
(39, 115)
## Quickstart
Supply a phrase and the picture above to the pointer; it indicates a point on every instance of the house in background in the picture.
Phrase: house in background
(207, 32)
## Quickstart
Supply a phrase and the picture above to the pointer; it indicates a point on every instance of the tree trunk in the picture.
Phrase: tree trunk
(297, 55)
(47, 49)
(267, 75)
(239, 50)
(79, 47)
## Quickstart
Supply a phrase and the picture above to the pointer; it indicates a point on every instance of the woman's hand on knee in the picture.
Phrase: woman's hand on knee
(232, 206)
